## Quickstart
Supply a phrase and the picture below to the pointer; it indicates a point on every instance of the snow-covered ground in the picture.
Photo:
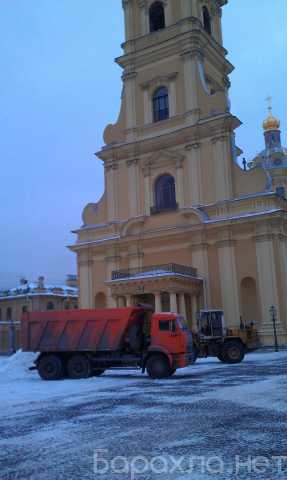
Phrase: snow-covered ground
(217, 419)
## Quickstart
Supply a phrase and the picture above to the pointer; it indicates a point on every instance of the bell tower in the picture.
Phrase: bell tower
(175, 91)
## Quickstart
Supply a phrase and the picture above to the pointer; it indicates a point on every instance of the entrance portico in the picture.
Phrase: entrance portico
(169, 288)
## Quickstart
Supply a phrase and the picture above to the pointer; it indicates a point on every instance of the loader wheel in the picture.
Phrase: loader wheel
(233, 352)
(79, 366)
(158, 367)
(98, 372)
(50, 367)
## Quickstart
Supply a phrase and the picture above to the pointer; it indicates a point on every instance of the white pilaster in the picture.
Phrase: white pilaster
(130, 93)
(268, 289)
(112, 190)
(190, 87)
(147, 190)
(222, 167)
(193, 156)
(85, 271)
(200, 262)
(228, 282)
(180, 184)
(134, 200)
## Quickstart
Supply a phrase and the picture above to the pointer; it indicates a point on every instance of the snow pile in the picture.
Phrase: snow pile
(17, 366)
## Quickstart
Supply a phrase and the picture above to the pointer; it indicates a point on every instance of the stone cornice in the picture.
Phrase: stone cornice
(169, 139)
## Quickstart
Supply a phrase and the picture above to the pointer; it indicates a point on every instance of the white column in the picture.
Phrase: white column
(194, 173)
(112, 302)
(133, 187)
(182, 305)
(180, 184)
(173, 302)
(228, 282)
(200, 262)
(191, 85)
(158, 307)
(222, 167)
(129, 300)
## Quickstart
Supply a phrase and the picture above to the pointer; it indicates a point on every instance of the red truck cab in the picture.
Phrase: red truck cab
(84, 343)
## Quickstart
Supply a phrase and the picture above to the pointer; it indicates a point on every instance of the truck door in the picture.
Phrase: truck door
(170, 335)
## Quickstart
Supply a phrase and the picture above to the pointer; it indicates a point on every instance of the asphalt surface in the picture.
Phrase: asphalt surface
(208, 421)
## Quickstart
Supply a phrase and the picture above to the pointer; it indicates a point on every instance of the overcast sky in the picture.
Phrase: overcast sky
(60, 87)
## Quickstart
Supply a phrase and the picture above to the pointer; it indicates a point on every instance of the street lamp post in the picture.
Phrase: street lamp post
(273, 315)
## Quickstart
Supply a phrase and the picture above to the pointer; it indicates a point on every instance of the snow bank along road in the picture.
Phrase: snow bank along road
(213, 418)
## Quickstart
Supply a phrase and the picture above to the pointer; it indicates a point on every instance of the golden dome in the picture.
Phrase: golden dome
(271, 123)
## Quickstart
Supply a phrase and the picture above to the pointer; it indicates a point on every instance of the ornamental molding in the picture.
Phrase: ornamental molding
(159, 81)
(163, 158)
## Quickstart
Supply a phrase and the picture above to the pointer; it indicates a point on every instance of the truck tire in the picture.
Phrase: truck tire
(158, 366)
(50, 367)
(79, 366)
(233, 352)
(221, 357)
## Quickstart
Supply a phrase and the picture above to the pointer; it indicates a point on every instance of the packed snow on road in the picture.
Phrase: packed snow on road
(210, 420)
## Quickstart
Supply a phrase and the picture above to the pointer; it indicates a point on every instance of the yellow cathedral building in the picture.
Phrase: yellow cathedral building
(180, 224)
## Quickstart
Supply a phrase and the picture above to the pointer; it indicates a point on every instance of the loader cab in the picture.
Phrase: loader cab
(170, 331)
(211, 323)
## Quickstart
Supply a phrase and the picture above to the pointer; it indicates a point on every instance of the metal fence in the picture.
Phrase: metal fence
(153, 270)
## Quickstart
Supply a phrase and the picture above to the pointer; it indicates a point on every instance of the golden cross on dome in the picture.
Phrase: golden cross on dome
(269, 102)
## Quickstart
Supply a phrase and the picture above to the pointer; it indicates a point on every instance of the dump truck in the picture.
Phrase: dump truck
(84, 343)
(214, 339)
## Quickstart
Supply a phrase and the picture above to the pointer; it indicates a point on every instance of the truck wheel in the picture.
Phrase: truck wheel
(221, 357)
(158, 366)
(50, 367)
(98, 372)
(233, 352)
(79, 366)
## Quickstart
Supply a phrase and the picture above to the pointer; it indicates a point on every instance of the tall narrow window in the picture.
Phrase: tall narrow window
(165, 198)
(50, 306)
(206, 20)
(156, 17)
(9, 313)
(160, 104)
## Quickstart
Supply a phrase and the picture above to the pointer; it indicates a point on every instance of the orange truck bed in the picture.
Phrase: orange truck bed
(76, 330)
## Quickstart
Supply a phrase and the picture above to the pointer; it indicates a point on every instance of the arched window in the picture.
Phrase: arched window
(165, 198)
(206, 20)
(50, 306)
(160, 104)
(156, 17)
(100, 300)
